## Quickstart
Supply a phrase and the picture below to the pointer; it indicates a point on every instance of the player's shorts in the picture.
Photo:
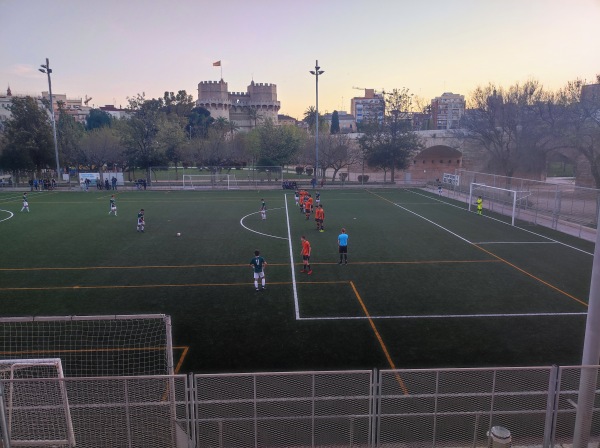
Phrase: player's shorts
(343, 249)
(25, 204)
(320, 221)
(260, 274)
(306, 257)
(113, 208)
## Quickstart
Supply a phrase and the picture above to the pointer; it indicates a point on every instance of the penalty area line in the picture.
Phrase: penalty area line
(447, 316)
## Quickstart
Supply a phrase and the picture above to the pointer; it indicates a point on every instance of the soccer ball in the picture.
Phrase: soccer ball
(178, 234)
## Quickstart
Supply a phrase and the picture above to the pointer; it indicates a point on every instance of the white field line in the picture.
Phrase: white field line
(516, 242)
(516, 227)
(444, 316)
(10, 215)
(294, 287)
(260, 233)
(428, 220)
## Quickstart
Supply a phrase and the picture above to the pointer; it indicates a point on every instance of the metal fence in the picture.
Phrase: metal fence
(554, 205)
(537, 406)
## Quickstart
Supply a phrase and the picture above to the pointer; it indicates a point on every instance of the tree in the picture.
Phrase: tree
(514, 126)
(579, 107)
(337, 152)
(335, 122)
(253, 114)
(69, 134)
(199, 120)
(139, 133)
(275, 145)
(29, 144)
(97, 118)
(99, 147)
(180, 104)
(310, 118)
(390, 144)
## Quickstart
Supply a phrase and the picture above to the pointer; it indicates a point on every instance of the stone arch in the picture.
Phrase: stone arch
(431, 163)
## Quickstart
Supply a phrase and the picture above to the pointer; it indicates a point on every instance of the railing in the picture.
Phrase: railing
(399, 408)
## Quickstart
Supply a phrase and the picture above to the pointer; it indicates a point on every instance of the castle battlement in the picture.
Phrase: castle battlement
(214, 97)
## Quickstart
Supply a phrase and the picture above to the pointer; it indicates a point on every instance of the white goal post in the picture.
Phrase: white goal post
(34, 403)
(497, 196)
(222, 181)
(114, 345)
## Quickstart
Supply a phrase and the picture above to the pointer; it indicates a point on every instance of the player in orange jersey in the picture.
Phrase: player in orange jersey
(306, 250)
(320, 217)
(308, 206)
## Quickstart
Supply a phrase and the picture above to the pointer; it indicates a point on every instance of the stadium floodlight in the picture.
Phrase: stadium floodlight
(45, 68)
(316, 72)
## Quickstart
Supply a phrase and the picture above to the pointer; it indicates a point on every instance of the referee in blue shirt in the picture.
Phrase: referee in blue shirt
(343, 246)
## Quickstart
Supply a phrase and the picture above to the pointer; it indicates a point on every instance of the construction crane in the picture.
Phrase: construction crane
(87, 100)
(382, 91)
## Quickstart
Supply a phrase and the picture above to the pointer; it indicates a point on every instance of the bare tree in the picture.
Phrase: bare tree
(337, 151)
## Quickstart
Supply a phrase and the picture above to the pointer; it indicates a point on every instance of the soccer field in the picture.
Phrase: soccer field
(428, 283)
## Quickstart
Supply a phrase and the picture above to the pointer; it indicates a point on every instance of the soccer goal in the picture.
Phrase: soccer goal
(501, 200)
(217, 181)
(34, 404)
(119, 345)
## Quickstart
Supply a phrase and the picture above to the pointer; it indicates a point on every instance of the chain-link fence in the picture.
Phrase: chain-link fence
(534, 406)
(560, 206)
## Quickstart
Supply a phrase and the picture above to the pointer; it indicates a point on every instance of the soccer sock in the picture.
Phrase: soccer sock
(263, 282)
(256, 284)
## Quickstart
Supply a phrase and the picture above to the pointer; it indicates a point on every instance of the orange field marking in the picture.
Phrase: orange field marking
(380, 339)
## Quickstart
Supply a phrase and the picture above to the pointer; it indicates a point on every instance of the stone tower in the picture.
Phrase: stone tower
(239, 107)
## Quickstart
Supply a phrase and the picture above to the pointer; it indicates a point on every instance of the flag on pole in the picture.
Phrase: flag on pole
(217, 64)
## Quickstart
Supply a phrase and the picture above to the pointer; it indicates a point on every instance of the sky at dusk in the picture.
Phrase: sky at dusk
(112, 50)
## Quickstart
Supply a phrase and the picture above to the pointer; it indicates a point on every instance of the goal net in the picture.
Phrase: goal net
(34, 403)
(501, 200)
(92, 345)
(217, 181)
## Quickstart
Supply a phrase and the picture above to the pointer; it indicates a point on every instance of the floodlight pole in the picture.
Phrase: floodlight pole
(46, 69)
(317, 72)
(591, 357)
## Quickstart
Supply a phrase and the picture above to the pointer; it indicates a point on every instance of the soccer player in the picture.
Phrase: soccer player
(479, 203)
(317, 198)
(258, 263)
(263, 209)
(25, 203)
(113, 205)
(141, 223)
(343, 246)
(297, 198)
(440, 189)
(306, 250)
(308, 206)
(320, 217)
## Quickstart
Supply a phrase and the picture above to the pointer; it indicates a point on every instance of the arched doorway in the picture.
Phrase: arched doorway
(431, 163)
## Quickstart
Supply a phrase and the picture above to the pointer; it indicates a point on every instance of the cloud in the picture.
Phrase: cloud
(23, 70)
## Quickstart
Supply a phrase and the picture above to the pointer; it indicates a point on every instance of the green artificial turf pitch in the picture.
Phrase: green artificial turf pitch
(428, 283)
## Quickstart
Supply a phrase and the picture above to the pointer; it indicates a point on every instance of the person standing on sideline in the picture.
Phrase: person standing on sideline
(114, 182)
(112, 205)
(479, 203)
(306, 250)
(263, 209)
(343, 246)
(25, 203)
(141, 223)
(259, 264)
(439, 187)
(320, 217)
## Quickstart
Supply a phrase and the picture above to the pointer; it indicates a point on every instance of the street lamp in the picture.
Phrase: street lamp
(317, 72)
(46, 69)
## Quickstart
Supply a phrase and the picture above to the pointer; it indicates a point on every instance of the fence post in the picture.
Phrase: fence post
(4, 429)
(375, 409)
(551, 406)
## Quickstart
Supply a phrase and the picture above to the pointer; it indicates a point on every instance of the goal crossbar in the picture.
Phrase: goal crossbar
(494, 194)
